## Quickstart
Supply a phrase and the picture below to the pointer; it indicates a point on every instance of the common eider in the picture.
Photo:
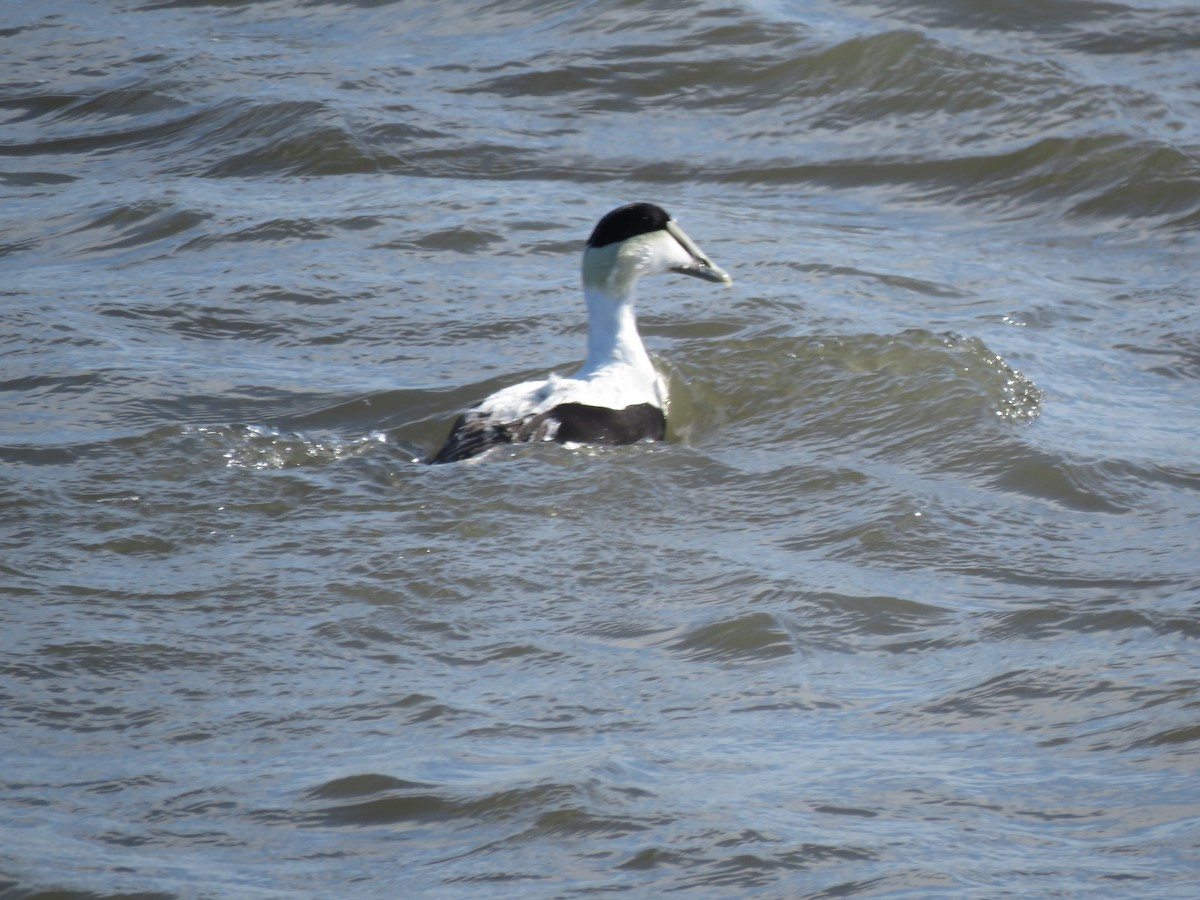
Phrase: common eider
(616, 397)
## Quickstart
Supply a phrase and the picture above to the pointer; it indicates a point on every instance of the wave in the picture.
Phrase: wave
(931, 115)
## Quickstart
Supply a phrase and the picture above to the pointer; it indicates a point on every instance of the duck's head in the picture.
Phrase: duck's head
(641, 239)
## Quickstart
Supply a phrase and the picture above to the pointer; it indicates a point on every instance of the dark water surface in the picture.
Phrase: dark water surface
(907, 605)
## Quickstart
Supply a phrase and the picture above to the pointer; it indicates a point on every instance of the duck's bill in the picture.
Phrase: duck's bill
(701, 266)
(706, 269)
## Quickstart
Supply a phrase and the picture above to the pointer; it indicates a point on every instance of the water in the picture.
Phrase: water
(907, 605)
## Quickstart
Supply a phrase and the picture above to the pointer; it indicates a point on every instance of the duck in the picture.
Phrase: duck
(616, 396)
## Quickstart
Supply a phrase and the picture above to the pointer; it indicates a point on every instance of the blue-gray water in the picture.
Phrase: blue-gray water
(907, 605)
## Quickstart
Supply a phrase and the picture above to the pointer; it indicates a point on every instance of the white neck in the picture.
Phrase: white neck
(613, 338)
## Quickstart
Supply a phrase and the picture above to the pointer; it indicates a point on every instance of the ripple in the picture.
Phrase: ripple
(753, 637)
(260, 447)
(131, 226)
(359, 785)
(903, 392)
(417, 805)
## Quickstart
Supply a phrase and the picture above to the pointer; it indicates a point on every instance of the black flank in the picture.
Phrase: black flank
(580, 424)
(577, 424)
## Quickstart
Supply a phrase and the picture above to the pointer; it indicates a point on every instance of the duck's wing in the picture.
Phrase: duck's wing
(469, 436)
(512, 415)
(476, 431)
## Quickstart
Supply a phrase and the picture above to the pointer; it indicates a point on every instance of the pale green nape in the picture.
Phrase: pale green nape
(615, 267)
